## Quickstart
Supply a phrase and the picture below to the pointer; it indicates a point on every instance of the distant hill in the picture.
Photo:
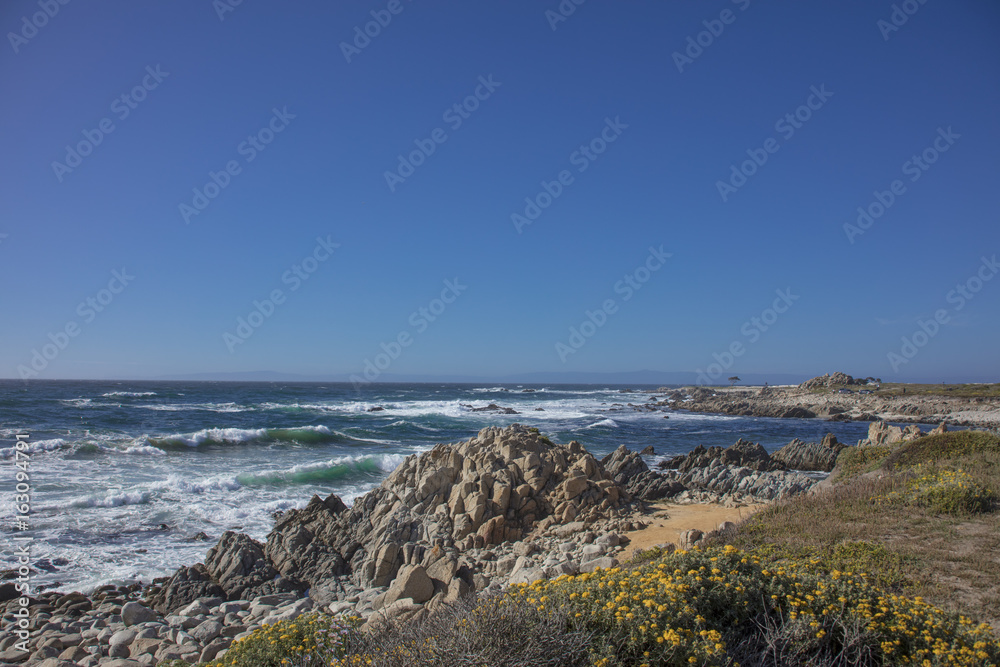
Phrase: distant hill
(542, 377)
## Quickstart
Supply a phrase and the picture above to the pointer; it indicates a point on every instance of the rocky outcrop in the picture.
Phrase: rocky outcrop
(737, 483)
(496, 488)
(882, 433)
(743, 454)
(629, 470)
(836, 380)
(811, 456)
(187, 585)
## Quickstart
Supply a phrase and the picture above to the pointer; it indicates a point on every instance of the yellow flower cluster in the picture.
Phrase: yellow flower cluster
(942, 491)
(680, 609)
(312, 636)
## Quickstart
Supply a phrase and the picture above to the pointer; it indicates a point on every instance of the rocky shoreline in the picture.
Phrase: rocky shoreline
(504, 507)
(809, 400)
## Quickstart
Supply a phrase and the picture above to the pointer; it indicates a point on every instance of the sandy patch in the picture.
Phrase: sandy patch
(700, 516)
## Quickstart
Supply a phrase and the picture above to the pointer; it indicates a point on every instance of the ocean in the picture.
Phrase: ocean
(125, 475)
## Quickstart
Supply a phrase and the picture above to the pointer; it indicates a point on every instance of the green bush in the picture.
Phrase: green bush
(309, 639)
(952, 492)
(855, 461)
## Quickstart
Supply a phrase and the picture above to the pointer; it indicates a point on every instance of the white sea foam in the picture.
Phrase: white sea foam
(609, 423)
(132, 394)
(179, 407)
(35, 447)
(134, 497)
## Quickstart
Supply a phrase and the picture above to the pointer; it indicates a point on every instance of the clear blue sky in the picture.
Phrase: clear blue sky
(323, 175)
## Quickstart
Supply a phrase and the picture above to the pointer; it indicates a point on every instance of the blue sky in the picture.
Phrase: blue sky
(213, 83)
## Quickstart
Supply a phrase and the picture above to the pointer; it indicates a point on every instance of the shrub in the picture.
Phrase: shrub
(855, 461)
(715, 606)
(943, 446)
(952, 492)
(311, 638)
(495, 630)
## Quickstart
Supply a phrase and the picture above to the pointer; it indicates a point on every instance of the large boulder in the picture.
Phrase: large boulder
(811, 456)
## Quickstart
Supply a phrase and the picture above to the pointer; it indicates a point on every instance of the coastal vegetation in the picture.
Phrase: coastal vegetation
(893, 564)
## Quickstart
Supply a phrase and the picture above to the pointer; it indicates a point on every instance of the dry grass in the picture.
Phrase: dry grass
(952, 561)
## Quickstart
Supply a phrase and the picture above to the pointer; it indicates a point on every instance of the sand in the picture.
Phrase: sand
(661, 529)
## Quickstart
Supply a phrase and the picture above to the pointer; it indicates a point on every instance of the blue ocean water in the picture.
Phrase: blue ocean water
(124, 474)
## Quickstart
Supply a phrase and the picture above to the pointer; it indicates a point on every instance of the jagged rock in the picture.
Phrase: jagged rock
(629, 470)
(413, 583)
(239, 564)
(799, 455)
(827, 380)
(187, 585)
(882, 433)
(743, 453)
(496, 487)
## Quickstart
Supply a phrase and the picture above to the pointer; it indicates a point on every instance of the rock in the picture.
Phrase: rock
(196, 608)
(690, 538)
(13, 655)
(591, 551)
(134, 613)
(184, 587)
(140, 647)
(493, 489)
(603, 563)
(881, 433)
(206, 631)
(240, 566)
(799, 455)
(123, 637)
(55, 662)
(212, 651)
(413, 583)
(526, 575)
(827, 380)
(629, 470)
